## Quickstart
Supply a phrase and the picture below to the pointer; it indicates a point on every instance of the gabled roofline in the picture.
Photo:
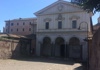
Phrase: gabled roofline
(53, 4)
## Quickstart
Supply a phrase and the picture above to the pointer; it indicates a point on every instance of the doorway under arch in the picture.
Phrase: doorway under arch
(75, 49)
(46, 47)
(59, 47)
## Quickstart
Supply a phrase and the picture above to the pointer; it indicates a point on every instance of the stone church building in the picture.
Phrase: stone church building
(60, 30)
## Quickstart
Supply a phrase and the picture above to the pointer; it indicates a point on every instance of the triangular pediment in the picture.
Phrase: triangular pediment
(59, 7)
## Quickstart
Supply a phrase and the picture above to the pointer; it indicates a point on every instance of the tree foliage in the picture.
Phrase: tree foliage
(91, 5)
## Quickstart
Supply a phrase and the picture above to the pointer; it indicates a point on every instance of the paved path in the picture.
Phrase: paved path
(39, 64)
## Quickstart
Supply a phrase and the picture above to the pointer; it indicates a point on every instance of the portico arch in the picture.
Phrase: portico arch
(75, 49)
(59, 40)
(74, 41)
(59, 47)
(46, 47)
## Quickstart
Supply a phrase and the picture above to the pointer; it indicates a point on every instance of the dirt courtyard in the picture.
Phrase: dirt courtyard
(39, 64)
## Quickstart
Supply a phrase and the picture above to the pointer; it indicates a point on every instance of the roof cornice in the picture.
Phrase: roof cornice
(53, 4)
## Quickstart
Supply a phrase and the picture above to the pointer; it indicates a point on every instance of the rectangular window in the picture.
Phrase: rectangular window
(74, 24)
(29, 29)
(11, 30)
(17, 23)
(30, 23)
(12, 24)
(23, 29)
(47, 25)
(59, 24)
(17, 29)
(23, 23)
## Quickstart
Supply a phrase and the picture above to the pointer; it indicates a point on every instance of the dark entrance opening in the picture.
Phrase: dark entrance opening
(46, 47)
(75, 49)
(62, 50)
(59, 47)
(67, 51)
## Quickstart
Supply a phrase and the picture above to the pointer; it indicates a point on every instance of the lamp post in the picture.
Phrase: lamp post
(86, 39)
(86, 27)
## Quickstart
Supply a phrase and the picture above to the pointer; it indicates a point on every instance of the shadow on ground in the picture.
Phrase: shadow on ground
(53, 60)
(83, 67)
(48, 60)
(79, 68)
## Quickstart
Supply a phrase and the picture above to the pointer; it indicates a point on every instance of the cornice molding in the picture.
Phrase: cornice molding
(74, 17)
(47, 19)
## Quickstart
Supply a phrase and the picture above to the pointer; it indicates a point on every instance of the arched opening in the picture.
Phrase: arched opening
(46, 47)
(75, 49)
(74, 41)
(59, 47)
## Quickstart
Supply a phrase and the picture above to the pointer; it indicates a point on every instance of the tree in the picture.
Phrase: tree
(91, 5)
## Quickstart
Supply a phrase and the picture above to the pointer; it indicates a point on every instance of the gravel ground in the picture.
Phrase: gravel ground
(39, 64)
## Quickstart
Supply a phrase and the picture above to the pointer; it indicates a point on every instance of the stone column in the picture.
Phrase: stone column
(53, 49)
(65, 49)
(41, 48)
(38, 46)
(84, 51)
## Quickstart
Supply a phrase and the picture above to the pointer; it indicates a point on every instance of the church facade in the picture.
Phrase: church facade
(61, 28)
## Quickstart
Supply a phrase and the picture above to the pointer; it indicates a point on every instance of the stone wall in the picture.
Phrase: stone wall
(6, 48)
(14, 48)
(94, 57)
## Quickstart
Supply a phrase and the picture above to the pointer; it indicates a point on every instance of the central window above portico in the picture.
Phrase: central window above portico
(59, 19)
(74, 24)
(74, 20)
(47, 25)
(59, 24)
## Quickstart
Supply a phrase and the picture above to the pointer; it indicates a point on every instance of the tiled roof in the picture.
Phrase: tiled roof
(12, 36)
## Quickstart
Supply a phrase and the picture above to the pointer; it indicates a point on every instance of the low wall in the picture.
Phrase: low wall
(14, 48)
(6, 48)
